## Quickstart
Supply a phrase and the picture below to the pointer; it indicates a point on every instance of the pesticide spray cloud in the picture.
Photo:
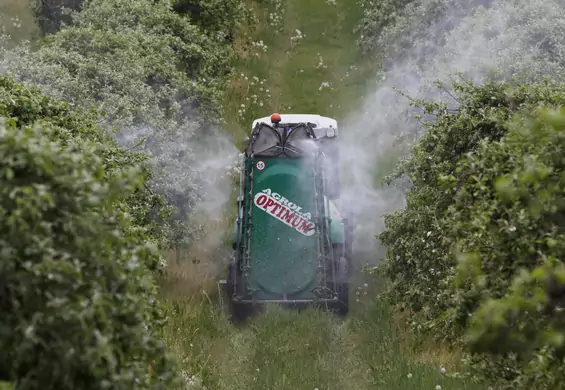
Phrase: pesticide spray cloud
(434, 40)
(191, 163)
(191, 168)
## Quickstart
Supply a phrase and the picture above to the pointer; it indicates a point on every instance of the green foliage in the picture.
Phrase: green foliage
(79, 307)
(27, 105)
(396, 27)
(168, 60)
(212, 16)
(52, 14)
(218, 17)
(156, 75)
(378, 15)
(484, 204)
(515, 231)
(435, 34)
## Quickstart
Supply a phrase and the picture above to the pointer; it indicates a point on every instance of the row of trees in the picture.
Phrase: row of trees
(100, 129)
(79, 306)
(476, 255)
(156, 72)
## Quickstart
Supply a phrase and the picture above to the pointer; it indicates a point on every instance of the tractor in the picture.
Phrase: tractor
(291, 240)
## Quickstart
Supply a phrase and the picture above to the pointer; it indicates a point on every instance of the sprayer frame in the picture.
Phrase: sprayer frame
(240, 299)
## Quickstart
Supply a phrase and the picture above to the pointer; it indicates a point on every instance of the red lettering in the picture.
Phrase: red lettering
(289, 216)
(274, 209)
(306, 226)
(270, 202)
(261, 200)
(285, 213)
(283, 209)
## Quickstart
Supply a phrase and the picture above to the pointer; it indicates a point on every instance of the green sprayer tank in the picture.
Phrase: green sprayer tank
(291, 245)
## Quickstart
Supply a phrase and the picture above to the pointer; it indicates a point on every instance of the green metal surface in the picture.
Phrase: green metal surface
(283, 251)
(337, 230)
(287, 227)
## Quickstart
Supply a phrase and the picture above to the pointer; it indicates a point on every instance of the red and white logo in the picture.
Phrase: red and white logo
(285, 211)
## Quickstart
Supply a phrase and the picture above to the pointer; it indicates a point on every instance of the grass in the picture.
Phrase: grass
(283, 349)
(287, 76)
(17, 21)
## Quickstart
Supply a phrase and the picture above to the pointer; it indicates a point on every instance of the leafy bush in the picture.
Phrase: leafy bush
(217, 17)
(514, 37)
(79, 308)
(52, 14)
(212, 16)
(377, 16)
(459, 242)
(153, 74)
(27, 105)
(167, 60)
(514, 243)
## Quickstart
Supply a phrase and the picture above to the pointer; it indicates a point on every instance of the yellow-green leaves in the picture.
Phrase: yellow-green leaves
(491, 274)
(504, 186)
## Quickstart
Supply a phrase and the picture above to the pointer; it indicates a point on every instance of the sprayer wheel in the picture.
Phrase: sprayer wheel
(343, 296)
(342, 285)
(240, 312)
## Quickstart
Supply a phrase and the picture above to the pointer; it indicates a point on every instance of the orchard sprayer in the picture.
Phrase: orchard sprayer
(292, 241)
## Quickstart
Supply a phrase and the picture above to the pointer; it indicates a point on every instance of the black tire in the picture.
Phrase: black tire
(230, 278)
(238, 312)
(343, 287)
(348, 247)
(342, 307)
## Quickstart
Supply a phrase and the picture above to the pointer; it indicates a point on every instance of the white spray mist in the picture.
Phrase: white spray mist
(191, 166)
(480, 39)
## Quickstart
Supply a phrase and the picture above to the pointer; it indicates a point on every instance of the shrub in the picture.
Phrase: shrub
(377, 16)
(151, 73)
(509, 220)
(518, 37)
(452, 207)
(27, 105)
(51, 14)
(79, 308)
(216, 17)
(167, 60)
